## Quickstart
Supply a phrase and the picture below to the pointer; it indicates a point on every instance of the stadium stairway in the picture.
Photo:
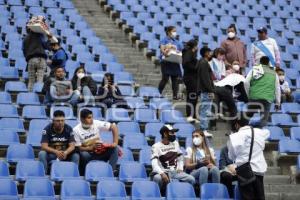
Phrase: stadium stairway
(143, 70)
(278, 184)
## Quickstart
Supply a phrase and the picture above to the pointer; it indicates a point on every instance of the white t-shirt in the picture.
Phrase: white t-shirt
(85, 136)
(200, 154)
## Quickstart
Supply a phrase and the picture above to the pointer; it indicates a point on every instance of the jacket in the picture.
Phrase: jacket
(235, 51)
(59, 58)
(205, 77)
(85, 81)
(189, 62)
(224, 159)
(34, 46)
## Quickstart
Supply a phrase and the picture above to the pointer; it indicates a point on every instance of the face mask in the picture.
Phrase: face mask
(236, 67)
(173, 34)
(197, 141)
(172, 138)
(80, 75)
(86, 126)
(281, 78)
(231, 35)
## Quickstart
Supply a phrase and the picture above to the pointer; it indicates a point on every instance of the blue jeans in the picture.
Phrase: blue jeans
(46, 157)
(205, 109)
(202, 174)
(182, 176)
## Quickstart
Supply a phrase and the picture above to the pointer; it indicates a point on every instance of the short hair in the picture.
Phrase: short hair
(169, 28)
(84, 113)
(264, 60)
(279, 70)
(219, 51)
(58, 67)
(242, 121)
(191, 44)
(204, 50)
(58, 113)
(232, 26)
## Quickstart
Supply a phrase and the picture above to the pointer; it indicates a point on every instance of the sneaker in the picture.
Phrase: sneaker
(207, 134)
(190, 119)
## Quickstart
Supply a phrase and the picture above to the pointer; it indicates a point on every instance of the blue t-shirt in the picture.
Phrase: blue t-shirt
(169, 40)
(59, 58)
(58, 141)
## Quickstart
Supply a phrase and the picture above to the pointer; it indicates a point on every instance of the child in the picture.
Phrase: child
(284, 86)
(234, 68)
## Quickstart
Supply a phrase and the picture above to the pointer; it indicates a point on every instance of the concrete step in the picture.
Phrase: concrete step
(273, 171)
(282, 188)
(277, 179)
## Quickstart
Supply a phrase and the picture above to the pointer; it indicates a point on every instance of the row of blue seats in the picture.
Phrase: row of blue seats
(66, 4)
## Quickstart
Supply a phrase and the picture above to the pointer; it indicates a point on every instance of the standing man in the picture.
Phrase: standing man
(205, 85)
(59, 57)
(265, 46)
(238, 151)
(58, 141)
(263, 87)
(87, 137)
(167, 159)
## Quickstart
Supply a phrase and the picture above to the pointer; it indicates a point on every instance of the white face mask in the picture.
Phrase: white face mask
(197, 141)
(174, 34)
(231, 35)
(80, 75)
(236, 68)
(281, 78)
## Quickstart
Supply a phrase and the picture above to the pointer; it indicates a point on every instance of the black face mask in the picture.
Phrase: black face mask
(171, 138)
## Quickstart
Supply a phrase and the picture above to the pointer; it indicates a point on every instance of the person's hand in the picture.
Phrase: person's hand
(113, 145)
(205, 161)
(211, 95)
(231, 168)
(277, 107)
(210, 165)
(165, 178)
(60, 155)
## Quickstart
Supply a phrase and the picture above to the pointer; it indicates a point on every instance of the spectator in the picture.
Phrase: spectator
(239, 152)
(200, 160)
(234, 68)
(218, 65)
(205, 85)
(235, 50)
(84, 86)
(227, 169)
(265, 46)
(286, 95)
(89, 142)
(58, 141)
(34, 45)
(59, 57)
(170, 69)
(109, 93)
(262, 86)
(189, 63)
(167, 159)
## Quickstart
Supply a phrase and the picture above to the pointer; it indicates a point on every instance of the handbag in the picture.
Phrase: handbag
(244, 172)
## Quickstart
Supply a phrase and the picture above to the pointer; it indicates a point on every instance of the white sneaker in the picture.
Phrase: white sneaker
(207, 134)
(190, 119)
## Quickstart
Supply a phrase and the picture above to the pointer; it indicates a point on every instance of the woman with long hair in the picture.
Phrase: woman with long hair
(200, 160)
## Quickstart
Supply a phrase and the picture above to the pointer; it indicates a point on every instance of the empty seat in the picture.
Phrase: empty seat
(8, 137)
(145, 115)
(152, 129)
(39, 189)
(178, 190)
(129, 128)
(135, 102)
(145, 155)
(137, 141)
(37, 125)
(24, 98)
(124, 78)
(17, 152)
(5, 98)
(126, 90)
(292, 108)
(172, 116)
(111, 189)
(76, 190)
(4, 170)
(8, 111)
(61, 170)
(295, 133)
(148, 92)
(117, 114)
(29, 169)
(276, 133)
(282, 120)
(132, 171)
(185, 129)
(34, 112)
(214, 191)
(289, 146)
(8, 189)
(160, 103)
(9, 73)
(145, 190)
(97, 171)
(12, 124)
(126, 157)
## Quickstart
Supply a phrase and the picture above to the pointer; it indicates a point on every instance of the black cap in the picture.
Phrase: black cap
(262, 30)
(167, 128)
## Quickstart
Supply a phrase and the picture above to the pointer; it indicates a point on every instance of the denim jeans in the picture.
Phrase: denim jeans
(264, 107)
(205, 109)
(46, 157)
(182, 176)
(202, 174)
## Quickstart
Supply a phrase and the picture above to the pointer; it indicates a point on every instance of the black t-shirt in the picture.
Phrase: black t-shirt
(58, 141)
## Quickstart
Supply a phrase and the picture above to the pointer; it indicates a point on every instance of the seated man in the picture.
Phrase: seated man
(58, 141)
(167, 159)
(89, 142)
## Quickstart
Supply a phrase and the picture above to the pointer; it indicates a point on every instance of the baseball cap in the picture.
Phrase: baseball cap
(262, 30)
(54, 42)
(167, 127)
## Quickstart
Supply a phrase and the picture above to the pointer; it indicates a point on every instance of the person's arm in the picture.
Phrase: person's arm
(231, 153)
(45, 146)
(247, 82)
(155, 162)
(205, 76)
(252, 54)
(93, 86)
(59, 58)
(70, 149)
(277, 54)
(277, 91)
(115, 133)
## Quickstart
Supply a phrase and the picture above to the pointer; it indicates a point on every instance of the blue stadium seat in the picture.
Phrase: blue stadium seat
(146, 91)
(8, 189)
(132, 171)
(49, 4)
(76, 190)
(126, 157)
(111, 189)
(214, 191)
(72, 122)
(66, 4)
(39, 189)
(4, 171)
(66, 109)
(145, 156)
(178, 190)
(93, 67)
(14, 2)
(61, 170)
(37, 87)
(38, 124)
(32, 3)
(289, 146)
(9, 73)
(282, 120)
(152, 129)
(34, 112)
(29, 170)
(18, 152)
(145, 190)
(160, 104)
(34, 138)
(124, 78)
(15, 86)
(290, 108)
(295, 134)
(172, 116)
(114, 67)
(296, 95)
(12, 124)
(185, 129)
(135, 102)
(145, 115)
(25, 98)
(126, 90)
(276, 133)
(9, 137)
(137, 141)
(129, 128)
(117, 114)
(107, 58)
(97, 171)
